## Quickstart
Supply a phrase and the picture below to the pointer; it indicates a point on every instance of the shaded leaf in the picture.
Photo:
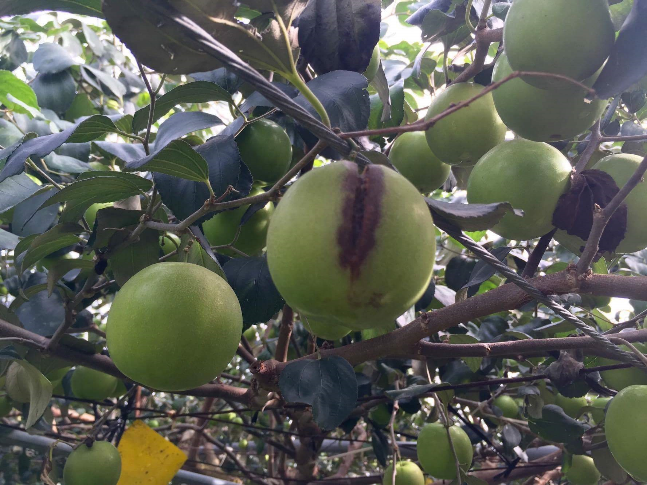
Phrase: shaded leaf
(128, 261)
(28, 216)
(251, 281)
(52, 58)
(329, 385)
(40, 392)
(16, 189)
(177, 159)
(555, 425)
(483, 271)
(469, 217)
(181, 124)
(58, 237)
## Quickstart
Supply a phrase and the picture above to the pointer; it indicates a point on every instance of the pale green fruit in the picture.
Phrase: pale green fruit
(266, 150)
(380, 415)
(91, 384)
(507, 405)
(621, 167)
(626, 430)
(582, 471)
(374, 64)
(326, 330)
(99, 464)
(571, 405)
(619, 379)
(351, 248)
(16, 383)
(599, 404)
(169, 242)
(120, 389)
(568, 37)
(543, 115)
(91, 212)
(546, 396)
(413, 158)
(435, 454)
(148, 336)
(406, 473)
(606, 463)
(469, 133)
(221, 229)
(531, 176)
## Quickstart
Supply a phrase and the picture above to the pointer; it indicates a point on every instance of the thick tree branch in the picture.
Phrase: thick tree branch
(484, 37)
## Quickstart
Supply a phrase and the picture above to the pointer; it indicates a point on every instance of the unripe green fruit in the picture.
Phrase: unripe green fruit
(91, 384)
(543, 115)
(626, 430)
(380, 415)
(599, 404)
(582, 471)
(531, 176)
(221, 229)
(546, 396)
(169, 242)
(435, 454)
(606, 463)
(568, 37)
(91, 213)
(413, 158)
(5, 406)
(340, 239)
(99, 167)
(326, 330)
(250, 334)
(619, 379)
(571, 405)
(58, 374)
(99, 464)
(148, 334)
(374, 64)
(507, 405)
(467, 134)
(621, 167)
(266, 150)
(16, 383)
(406, 473)
(120, 389)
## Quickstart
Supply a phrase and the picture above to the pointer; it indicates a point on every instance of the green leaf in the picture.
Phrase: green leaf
(474, 363)
(21, 7)
(58, 237)
(8, 240)
(469, 217)
(94, 187)
(555, 425)
(64, 266)
(329, 385)
(177, 159)
(134, 257)
(195, 92)
(24, 244)
(190, 251)
(40, 392)
(12, 89)
(92, 128)
(14, 190)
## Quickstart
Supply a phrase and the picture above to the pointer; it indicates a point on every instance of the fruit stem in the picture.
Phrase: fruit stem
(303, 88)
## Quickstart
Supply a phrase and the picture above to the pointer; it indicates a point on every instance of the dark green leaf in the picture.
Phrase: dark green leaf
(181, 124)
(196, 92)
(29, 218)
(14, 190)
(134, 257)
(111, 220)
(58, 237)
(555, 425)
(64, 266)
(177, 159)
(484, 271)
(52, 59)
(8, 240)
(250, 278)
(469, 217)
(329, 385)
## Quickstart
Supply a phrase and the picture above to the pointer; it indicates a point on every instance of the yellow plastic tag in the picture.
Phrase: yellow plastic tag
(147, 458)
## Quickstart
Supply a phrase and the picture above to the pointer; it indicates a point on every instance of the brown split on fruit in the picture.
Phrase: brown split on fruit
(361, 213)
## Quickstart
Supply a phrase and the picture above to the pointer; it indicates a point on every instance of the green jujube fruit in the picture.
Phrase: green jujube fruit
(174, 326)
(413, 158)
(435, 454)
(406, 473)
(266, 150)
(540, 114)
(351, 247)
(91, 384)
(467, 134)
(99, 464)
(529, 175)
(568, 37)
(582, 471)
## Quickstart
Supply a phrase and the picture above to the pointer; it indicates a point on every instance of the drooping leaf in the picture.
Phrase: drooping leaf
(12, 89)
(474, 363)
(133, 258)
(94, 187)
(55, 91)
(14, 190)
(58, 237)
(484, 271)
(177, 159)
(8, 240)
(84, 131)
(42, 314)
(396, 108)
(469, 217)
(63, 267)
(125, 152)
(339, 35)
(202, 254)
(21, 7)
(184, 197)
(627, 63)
(181, 124)
(103, 81)
(51, 59)
(555, 425)
(329, 385)
(111, 220)
(196, 92)
(40, 392)
(28, 216)
(251, 281)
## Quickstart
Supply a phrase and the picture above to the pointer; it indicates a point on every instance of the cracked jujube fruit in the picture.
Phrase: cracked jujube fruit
(352, 247)
(174, 326)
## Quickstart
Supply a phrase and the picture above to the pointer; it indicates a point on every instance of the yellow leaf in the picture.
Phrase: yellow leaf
(147, 458)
